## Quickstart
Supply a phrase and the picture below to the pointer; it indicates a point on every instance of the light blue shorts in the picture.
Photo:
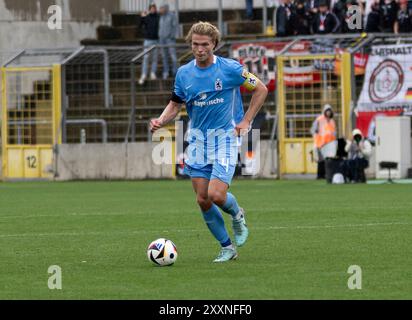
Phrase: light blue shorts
(212, 171)
(209, 167)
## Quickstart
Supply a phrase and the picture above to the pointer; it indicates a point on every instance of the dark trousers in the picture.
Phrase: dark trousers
(249, 9)
(355, 170)
(321, 170)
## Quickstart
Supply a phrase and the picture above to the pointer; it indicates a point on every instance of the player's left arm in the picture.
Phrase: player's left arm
(260, 92)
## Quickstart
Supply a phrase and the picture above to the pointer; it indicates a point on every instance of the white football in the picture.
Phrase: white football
(162, 252)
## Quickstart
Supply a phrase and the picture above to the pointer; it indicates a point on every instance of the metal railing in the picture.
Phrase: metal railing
(102, 82)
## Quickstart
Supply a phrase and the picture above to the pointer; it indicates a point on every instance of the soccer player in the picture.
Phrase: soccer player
(209, 86)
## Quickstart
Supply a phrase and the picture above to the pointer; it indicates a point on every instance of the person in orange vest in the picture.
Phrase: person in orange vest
(323, 131)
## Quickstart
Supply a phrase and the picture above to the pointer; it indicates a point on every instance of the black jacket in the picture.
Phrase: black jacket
(302, 22)
(150, 24)
(388, 15)
(404, 19)
(373, 22)
(285, 20)
(330, 23)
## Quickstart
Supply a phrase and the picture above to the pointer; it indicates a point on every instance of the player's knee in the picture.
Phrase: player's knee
(217, 197)
(203, 202)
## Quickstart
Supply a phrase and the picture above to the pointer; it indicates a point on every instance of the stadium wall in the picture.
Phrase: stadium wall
(133, 161)
(23, 24)
(114, 161)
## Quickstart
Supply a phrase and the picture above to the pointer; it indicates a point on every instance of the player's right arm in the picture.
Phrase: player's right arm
(173, 107)
(168, 114)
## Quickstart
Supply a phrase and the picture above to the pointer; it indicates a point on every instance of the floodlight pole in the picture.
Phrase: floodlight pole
(177, 17)
(220, 16)
(265, 16)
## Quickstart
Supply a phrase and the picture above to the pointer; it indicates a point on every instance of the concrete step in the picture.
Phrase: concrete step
(122, 19)
(244, 27)
(114, 42)
(187, 25)
(235, 27)
(129, 32)
(107, 33)
(212, 15)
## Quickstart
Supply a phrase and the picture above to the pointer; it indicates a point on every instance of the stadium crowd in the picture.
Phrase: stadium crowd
(305, 17)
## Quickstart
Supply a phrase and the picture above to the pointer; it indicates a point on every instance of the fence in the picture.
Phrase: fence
(92, 94)
(4, 57)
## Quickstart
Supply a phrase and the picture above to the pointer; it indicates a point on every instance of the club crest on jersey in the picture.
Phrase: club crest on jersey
(218, 85)
(252, 82)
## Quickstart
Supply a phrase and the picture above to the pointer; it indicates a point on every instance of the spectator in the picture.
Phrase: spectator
(285, 16)
(302, 18)
(323, 131)
(167, 37)
(325, 22)
(403, 23)
(340, 9)
(249, 9)
(373, 20)
(311, 7)
(150, 24)
(389, 10)
(359, 150)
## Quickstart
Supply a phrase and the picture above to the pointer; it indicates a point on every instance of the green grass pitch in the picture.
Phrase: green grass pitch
(304, 235)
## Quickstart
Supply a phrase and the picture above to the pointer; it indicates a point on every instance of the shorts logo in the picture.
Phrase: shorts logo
(218, 85)
(386, 81)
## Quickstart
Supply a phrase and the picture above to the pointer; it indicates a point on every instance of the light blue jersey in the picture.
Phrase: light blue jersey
(214, 105)
(212, 94)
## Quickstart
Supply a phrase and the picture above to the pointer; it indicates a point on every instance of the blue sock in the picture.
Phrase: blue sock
(230, 206)
(216, 225)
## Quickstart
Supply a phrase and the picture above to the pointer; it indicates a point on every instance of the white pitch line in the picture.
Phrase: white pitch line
(98, 233)
(340, 226)
(74, 214)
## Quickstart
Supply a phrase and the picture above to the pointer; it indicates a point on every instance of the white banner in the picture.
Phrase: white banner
(388, 80)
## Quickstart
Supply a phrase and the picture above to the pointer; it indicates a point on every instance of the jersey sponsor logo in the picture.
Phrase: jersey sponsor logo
(203, 103)
(218, 84)
(203, 96)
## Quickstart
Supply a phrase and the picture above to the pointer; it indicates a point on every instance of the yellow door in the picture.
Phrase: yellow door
(305, 84)
(30, 117)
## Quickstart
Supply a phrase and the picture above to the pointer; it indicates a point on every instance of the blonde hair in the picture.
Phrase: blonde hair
(204, 29)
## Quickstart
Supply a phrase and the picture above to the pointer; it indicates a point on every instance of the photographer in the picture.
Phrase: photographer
(359, 150)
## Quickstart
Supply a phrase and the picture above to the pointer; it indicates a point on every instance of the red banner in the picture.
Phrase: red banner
(360, 60)
(259, 59)
(365, 121)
